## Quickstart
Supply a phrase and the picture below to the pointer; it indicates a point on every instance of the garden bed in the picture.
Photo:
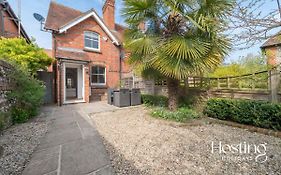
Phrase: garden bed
(140, 144)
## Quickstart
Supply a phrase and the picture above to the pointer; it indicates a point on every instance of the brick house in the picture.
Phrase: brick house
(9, 25)
(88, 51)
(272, 50)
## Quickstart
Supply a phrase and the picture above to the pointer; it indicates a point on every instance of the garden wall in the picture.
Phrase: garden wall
(5, 86)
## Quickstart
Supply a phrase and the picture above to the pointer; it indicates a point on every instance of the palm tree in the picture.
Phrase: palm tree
(183, 37)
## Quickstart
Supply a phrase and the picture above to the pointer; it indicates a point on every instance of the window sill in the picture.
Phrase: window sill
(92, 50)
(99, 85)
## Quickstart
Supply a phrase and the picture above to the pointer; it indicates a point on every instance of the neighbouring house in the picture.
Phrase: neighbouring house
(272, 50)
(9, 23)
(88, 51)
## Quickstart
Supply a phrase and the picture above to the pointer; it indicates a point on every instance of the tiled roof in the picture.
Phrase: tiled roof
(273, 41)
(60, 15)
(79, 56)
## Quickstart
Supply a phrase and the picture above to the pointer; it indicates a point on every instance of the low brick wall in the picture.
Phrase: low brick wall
(98, 94)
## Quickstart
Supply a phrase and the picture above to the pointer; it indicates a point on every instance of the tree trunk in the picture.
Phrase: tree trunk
(173, 93)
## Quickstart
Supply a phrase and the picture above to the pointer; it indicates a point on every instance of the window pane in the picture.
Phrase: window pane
(92, 40)
(101, 79)
(95, 36)
(101, 70)
(94, 79)
(98, 75)
(95, 44)
(94, 70)
(87, 43)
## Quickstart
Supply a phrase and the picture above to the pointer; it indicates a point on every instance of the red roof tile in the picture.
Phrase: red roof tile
(273, 41)
(79, 56)
(60, 15)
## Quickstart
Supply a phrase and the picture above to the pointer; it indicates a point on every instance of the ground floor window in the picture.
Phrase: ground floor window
(98, 76)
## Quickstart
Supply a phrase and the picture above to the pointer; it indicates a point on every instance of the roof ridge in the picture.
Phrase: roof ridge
(272, 41)
(70, 8)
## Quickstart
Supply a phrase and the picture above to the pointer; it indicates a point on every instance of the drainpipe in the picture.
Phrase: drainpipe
(120, 66)
(59, 82)
(2, 22)
(58, 72)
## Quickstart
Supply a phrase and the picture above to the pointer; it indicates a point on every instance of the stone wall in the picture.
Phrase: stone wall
(5, 86)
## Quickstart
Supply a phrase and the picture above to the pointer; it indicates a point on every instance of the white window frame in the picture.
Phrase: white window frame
(98, 84)
(90, 48)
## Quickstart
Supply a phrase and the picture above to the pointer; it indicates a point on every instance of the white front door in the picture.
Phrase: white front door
(73, 83)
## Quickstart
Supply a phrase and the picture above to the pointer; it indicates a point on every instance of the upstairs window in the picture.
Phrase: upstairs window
(98, 75)
(92, 41)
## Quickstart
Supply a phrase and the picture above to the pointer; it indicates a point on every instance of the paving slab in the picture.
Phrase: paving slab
(72, 145)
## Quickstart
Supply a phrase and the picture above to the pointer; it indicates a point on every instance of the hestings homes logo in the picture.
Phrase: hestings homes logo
(240, 152)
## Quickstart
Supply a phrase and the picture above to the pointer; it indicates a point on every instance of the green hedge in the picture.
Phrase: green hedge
(152, 100)
(181, 115)
(256, 113)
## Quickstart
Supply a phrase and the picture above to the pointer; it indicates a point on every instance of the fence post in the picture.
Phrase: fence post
(218, 83)
(187, 82)
(253, 81)
(228, 82)
(274, 82)
(194, 82)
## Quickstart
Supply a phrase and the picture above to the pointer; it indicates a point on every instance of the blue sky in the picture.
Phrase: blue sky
(43, 39)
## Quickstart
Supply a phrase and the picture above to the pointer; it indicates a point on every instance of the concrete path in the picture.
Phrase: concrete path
(72, 145)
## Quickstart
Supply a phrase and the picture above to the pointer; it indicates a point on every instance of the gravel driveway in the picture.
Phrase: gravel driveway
(139, 144)
(18, 143)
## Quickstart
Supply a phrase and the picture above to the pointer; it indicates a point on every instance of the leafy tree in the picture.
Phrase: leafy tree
(245, 65)
(233, 69)
(183, 37)
(29, 56)
(27, 93)
(250, 23)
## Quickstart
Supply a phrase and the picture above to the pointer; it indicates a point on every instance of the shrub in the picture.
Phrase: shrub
(5, 119)
(26, 95)
(181, 115)
(29, 56)
(256, 113)
(152, 100)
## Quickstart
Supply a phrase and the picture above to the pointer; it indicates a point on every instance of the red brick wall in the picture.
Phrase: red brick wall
(109, 55)
(10, 28)
(271, 55)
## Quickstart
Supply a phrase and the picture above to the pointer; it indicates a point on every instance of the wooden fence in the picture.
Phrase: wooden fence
(263, 85)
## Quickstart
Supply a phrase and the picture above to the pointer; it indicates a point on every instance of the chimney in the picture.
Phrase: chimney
(108, 11)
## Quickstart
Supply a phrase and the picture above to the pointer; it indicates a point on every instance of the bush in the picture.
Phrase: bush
(256, 113)
(29, 56)
(152, 100)
(181, 115)
(5, 119)
(26, 95)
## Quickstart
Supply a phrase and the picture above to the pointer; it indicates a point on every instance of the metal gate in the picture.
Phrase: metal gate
(48, 79)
